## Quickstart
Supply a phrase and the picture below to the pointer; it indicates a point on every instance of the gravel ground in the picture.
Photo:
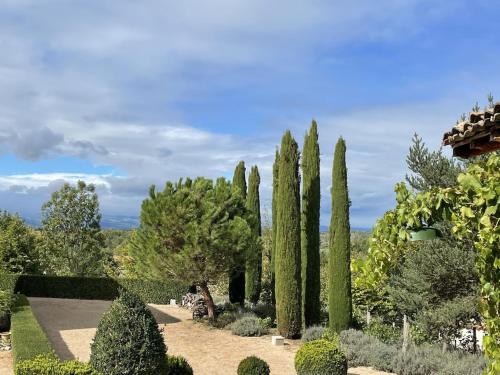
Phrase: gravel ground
(71, 324)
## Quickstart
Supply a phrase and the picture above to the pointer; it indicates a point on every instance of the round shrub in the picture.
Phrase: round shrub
(128, 341)
(320, 357)
(177, 365)
(253, 366)
(248, 326)
(223, 320)
(313, 333)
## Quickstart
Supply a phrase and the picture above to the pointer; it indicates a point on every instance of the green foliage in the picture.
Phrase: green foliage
(127, 340)
(313, 333)
(473, 208)
(437, 286)
(223, 320)
(430, 169)
(287, 267)
(340, 298)
(177, 365)
(248, 326)
(49, 364)
(158, 291)
(386, 333)
(192, 232)
(428, 360)
(310, 239)
(28, 338)
(253, 270)
(365, 350)
(320, 357)
(72, 241)
(274, 238)
(18, 252)
(253, 366)
(237, 273)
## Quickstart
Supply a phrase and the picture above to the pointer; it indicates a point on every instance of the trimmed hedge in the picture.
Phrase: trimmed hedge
(49, 364)
(99, 288)
(28, 338)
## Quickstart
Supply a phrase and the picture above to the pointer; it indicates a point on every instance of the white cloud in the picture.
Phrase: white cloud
(104, 82)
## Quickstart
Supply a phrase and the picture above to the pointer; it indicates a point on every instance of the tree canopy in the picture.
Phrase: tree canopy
(18, 251)
(72, 239)
(193, 232)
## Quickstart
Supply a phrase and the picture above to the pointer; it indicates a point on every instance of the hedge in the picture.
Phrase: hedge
(98, 288)
(28, 338)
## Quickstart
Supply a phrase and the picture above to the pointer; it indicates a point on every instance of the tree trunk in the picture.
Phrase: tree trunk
(208, 300)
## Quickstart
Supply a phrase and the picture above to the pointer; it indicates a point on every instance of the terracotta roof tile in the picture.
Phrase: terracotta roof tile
(478, 123)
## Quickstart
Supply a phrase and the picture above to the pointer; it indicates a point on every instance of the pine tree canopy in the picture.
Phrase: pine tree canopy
(194, 232)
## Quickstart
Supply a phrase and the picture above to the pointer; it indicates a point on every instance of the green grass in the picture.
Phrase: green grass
(28, 338)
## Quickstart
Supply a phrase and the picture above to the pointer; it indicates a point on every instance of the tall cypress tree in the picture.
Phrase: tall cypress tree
(254, 260)
(310, 229)
(274, 224)
(340, 298)
(237, 277)
(287, 266)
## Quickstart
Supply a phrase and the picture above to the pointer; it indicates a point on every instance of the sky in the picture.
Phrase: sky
(132, 93)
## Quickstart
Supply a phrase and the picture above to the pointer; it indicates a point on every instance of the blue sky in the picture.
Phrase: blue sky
(126, 94)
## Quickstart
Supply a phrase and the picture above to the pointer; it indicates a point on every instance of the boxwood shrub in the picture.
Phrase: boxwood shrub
(320, 357)
(127, 340)
(177, 365)
(253, 366)
(28, 338)
(49, 364)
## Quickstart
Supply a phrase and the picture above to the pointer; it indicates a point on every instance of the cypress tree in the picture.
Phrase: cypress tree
(287, 266)
(339, 298)
(274, 225)
(310, 229)
(254, 260)
(237, 276)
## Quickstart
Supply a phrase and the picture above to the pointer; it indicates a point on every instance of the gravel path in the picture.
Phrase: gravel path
(71, 324)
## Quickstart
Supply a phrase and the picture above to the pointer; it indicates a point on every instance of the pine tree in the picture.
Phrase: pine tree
(274, 225)
(254, 258)
(311, 285)
(340, 299)
(287, 265)
(237, 276)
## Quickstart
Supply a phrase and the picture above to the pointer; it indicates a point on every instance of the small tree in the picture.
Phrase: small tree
(72, 239)
(253, 271)
(237, 274)
(288, 278)
(340, 298)
(194, 232)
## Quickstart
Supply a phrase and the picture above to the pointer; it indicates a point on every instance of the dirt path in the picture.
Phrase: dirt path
(71, 324)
